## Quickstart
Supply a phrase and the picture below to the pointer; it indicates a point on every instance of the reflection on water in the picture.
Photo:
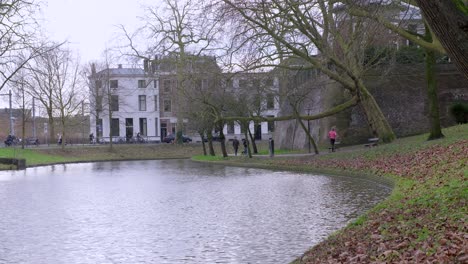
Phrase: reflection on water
(171, 212)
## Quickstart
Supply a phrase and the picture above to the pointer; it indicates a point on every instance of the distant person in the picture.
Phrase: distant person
(235, 145)
(59, 139)
(244, 142)
(91, 138)
(332, 135)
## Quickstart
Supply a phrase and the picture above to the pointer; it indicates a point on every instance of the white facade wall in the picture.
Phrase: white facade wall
(129, 92)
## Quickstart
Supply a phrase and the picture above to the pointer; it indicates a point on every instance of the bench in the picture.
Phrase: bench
(373, 142)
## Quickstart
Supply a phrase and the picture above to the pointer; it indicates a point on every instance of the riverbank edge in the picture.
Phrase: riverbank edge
(391, 181)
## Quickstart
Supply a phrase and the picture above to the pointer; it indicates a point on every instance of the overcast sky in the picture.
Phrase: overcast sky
(90, 25)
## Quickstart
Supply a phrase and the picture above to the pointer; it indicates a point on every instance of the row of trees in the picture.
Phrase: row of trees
(329, 36)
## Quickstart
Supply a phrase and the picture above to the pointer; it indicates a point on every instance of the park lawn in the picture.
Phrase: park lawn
(425, 218)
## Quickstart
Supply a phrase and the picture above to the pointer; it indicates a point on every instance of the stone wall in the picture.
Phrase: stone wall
(400, 93)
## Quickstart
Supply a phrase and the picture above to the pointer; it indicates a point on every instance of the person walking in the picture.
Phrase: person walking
(332, 135)
(235, 145)
(244, 142)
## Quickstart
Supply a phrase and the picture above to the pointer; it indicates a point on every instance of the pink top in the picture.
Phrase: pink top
(332, 134)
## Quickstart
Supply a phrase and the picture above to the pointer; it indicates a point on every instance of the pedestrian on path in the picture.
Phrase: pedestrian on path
(332, 135)
(235, 145)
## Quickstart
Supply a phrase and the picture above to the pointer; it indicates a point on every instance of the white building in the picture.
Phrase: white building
(141, 102)
(133, 100)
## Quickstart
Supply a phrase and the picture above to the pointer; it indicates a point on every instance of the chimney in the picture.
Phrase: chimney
(119, 65)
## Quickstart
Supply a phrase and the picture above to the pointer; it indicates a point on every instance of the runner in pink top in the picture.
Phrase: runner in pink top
(332, 136)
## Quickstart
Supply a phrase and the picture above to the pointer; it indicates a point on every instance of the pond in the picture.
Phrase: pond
(172, 211)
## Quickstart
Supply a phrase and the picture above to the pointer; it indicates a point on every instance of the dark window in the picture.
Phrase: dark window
(128, 128)
(230, 127)
(269, 82)
(155, 83)
(115, 129)
(114, 104)
(143, 126)
(142, 102)
(141, 84)
(114, 83)
(167, 105)
(167, 85)
(243, 83)
(270, 101)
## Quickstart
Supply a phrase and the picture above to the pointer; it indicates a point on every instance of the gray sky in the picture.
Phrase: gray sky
(90, 25)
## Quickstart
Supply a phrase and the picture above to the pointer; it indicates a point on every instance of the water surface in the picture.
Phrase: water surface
(172, 211)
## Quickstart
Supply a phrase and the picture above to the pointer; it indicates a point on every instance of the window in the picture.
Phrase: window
(142, 102)
(128, 128)
(269, 82)
(143, 126)
(243, 83)
(141, 84)
(155, 83)
(230, 127)
(114, 83)
(115, 129)
(167, 105)
(167, 85)
(156, 103)
(270, 101)
(114, 103)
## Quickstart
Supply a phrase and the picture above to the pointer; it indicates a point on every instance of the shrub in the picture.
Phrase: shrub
(460, 112)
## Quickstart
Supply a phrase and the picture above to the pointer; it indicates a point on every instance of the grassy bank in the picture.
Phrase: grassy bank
(54, 155)
(423, 221)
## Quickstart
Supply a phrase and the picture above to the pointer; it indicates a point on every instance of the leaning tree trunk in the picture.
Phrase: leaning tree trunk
(210, 143)
(450, 24)
(252, 139)
(377, 122)
(307, 131)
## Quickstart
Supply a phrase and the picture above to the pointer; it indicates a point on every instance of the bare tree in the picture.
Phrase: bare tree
(54, 81)
(182, 30)
(399, 22)
(18, 37)
(317, 32)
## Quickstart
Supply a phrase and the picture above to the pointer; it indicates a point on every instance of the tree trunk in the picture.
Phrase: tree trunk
(223, 142)
(450, 25)
(246, 130)
(434, 117)
(203, 142)
(210, 143)
(307, 131)
(377, 122)
(252, 139)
